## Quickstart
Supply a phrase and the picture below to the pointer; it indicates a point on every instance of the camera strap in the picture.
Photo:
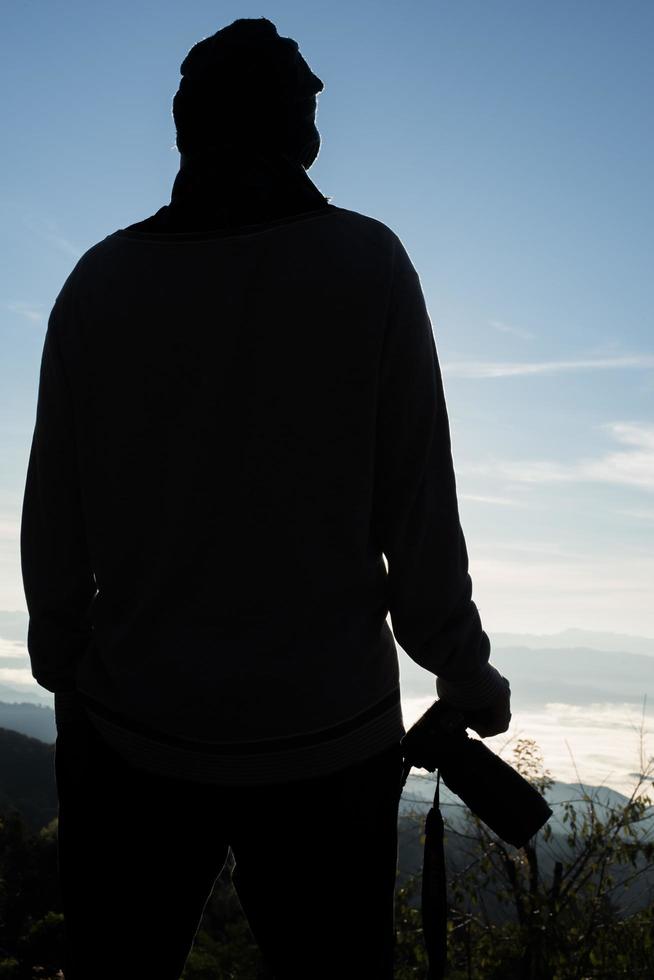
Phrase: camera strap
(434, 890)
(434, 883)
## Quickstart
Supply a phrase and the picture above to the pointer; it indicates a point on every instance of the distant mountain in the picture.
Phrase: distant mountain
(417, 800)
(35, 720)
(419, 789)
(29, 692)
(542, 674)
(27, 778)
(571, 638)
(574, 675)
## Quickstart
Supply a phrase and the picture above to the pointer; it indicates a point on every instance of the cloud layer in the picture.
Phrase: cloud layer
(632, 466)
(508, 369)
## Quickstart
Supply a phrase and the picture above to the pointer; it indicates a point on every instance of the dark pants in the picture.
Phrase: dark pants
(138, 855)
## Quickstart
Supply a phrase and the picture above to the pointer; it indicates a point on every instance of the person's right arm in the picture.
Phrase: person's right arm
(429, 588)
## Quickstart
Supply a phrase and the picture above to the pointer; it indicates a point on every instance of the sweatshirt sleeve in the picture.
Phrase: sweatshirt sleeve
(429, 588)
(58, 580)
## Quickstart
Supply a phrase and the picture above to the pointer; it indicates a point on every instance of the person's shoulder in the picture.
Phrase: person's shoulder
(374, 233)
(95, 254)
(367, 226)
(94, 262)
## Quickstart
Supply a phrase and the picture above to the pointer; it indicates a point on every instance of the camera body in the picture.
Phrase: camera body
(489, 786)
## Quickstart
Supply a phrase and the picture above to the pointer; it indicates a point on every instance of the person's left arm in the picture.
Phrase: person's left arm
(58, 578)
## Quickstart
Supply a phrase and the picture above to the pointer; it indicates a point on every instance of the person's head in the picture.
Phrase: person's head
(249, 89)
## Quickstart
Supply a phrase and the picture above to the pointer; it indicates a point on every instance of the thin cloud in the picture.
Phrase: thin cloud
(508, 369)
(514, 331)
(49, 231)
(634, 467)
(64, 245)
(15, 648)
(640, 515)
(631, 467)
(500, 501)
(9, 529)
(522, 593)
(536, 549)
(633, 433)
(26, 310)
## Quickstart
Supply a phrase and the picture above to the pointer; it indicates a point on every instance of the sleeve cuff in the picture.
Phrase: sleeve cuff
(472, 695)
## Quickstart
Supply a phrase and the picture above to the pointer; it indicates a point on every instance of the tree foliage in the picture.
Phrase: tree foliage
(561, 896)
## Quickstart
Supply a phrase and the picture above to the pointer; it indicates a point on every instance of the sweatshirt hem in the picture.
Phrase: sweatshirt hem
(262, 762)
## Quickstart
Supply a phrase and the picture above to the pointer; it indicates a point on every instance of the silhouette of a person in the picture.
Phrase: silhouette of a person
(240, 412)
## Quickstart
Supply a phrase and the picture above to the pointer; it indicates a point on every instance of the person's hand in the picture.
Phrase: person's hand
(494, 719)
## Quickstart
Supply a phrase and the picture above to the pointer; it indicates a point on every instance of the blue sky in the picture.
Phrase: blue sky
(509, 145)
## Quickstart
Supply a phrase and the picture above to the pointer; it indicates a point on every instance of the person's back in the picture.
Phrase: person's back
(227, 403)
(241, 413)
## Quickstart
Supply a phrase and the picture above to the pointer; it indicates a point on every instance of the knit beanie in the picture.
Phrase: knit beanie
(244, 88)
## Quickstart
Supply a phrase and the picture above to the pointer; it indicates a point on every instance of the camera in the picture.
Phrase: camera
(491, 788)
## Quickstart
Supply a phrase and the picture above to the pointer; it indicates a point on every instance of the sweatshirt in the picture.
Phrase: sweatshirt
(240, 466)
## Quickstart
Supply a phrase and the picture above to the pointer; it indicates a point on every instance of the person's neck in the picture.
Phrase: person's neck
(218, 188)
